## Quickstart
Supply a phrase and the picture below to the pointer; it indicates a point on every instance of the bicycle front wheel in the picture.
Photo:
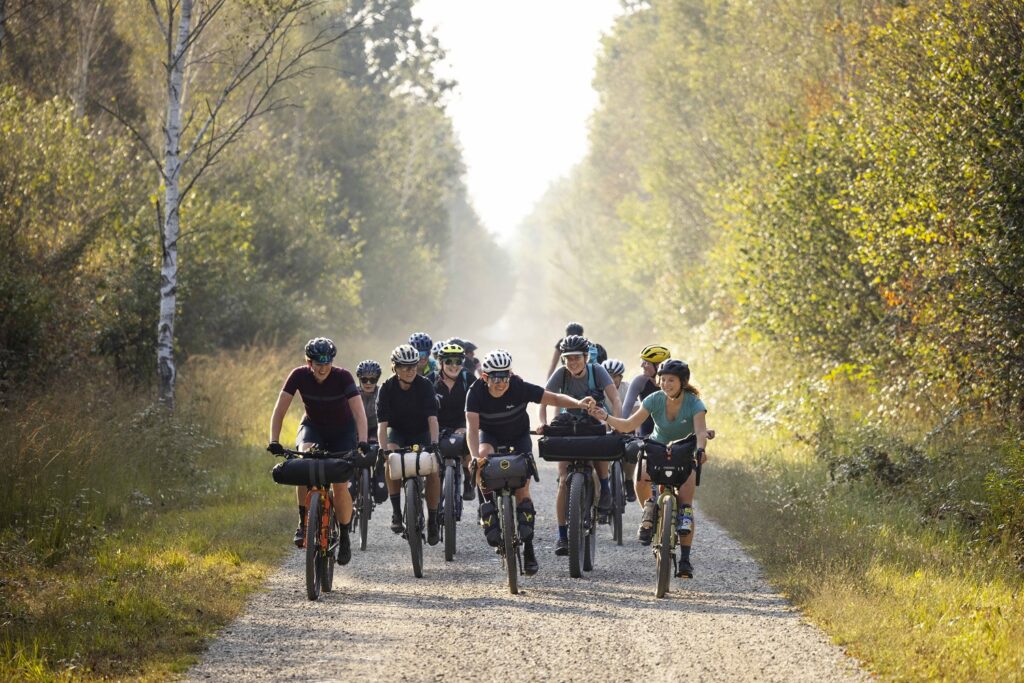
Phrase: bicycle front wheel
(590, 539)
(577, 535)
(663, 551)
(618, 502)
(327, 551)
(413, 525)
(448, 511)
(364, 507)
(508, 535)
(313, 516)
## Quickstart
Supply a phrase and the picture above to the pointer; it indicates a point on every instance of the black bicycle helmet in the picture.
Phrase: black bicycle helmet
(677, 368)
(321, 350)
(368, 368)
(421, 341)
(574, 328)
(574, 343)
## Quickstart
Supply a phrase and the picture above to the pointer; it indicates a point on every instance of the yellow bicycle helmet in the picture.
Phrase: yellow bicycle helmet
(655, 353)
(451, 350)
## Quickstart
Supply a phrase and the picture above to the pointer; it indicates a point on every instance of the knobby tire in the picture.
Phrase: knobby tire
(449, 513)
(618, 502)
(508, 535)
(413, 531)
(327, 558)
(590, 539)
(575, 520)
(312, 546)
(663, 553)
(364, 507)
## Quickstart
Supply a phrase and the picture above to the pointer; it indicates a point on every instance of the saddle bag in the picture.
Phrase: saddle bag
(568, 424)
(506, 471)
(453, 446)
(671, 464)
(409, 464)
(312, 471)
(603, 447)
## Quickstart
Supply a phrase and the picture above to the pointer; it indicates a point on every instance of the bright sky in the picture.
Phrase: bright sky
(524, 70)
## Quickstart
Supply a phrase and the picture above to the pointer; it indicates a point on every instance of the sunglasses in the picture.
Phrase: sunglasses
(497, 378)
(368, 380)
(452, 361)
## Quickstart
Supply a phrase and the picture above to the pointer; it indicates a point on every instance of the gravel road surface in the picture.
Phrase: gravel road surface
(459, 621)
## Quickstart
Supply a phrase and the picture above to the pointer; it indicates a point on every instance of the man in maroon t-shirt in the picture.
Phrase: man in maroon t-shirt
(334, 419)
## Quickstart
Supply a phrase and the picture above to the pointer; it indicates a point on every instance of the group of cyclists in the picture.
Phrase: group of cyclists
(442, 388)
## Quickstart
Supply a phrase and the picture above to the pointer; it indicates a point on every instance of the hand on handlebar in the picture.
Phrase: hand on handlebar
(539, 430)
(275, 448)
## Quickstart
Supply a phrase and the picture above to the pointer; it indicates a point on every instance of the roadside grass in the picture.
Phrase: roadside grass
(913, 593)
(128, 537)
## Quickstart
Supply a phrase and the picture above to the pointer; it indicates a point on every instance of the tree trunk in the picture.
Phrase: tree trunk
(87, 21)
(172, 200)
(3, 26)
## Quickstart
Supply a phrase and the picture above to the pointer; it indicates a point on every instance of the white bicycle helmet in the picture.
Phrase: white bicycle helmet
(614, 366)
(405, 355)
(436, 348)
(498, 360)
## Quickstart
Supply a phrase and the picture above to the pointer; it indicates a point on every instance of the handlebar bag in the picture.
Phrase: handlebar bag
(603, 447)
(453, 446)
(312, 471)
(671, 464)
(505, 471)
(568, 424)
(409, 464)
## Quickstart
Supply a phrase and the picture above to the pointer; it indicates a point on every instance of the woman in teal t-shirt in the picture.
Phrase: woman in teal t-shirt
(677, 412)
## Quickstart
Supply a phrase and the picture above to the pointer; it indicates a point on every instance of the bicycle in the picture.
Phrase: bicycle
(362, 497)
(617, 483)
(671, 467)
(582, 515)
(452, 448)
(411, 465)
(503, 473)
(318, 470)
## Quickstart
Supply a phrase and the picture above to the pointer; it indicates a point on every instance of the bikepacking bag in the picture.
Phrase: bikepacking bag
(312, 471)
(505, 471)
(672, 464)
(453, 446)
(604, 447)
(567, 424)
(409, 464)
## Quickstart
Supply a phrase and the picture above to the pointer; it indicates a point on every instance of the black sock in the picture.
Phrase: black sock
(302, 515)
(684, 552)
(432, 515)
(396, 503)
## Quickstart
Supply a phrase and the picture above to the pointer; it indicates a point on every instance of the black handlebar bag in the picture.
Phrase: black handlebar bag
(568, 448)
(312, 471)
(453, 446)
(568, 424)
(506, 472)
(671, 464)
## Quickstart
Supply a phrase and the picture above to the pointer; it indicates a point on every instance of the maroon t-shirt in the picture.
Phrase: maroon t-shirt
(327, 403)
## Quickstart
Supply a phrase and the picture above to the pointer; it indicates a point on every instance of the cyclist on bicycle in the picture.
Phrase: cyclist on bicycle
(497, 418)
(597, 353)
(643, 385)
(579, 378)
(677, 411)
(616, 368)
(422, 342)
(407, 416)
(368, 373)
(334, 419)
(472, 363)
(451, 389)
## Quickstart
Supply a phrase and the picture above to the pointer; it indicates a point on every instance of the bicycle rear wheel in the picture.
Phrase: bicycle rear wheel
(413, 526)
(313, 516)
(575, 519)
(618, 502)
(327, 552)
(364, 507)
(449, 493)
(663, 551)
(590, 539)
(508, 535)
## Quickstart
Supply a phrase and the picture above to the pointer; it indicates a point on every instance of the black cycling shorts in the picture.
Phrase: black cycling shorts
(520, 444)
(333, 440)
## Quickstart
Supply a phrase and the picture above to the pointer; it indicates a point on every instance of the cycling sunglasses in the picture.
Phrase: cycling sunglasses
(452, 361)
(498, 377)
(369, 380)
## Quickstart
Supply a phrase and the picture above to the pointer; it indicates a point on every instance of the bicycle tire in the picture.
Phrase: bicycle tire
(618, 502)
(663, 553)
(413, 531)
(327, 557)
(590, 541)
(449, 513)
(364, 508)
(508, 535)
(575, 520)
(312, 546)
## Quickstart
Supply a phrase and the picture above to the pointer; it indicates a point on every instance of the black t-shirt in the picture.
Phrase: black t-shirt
(451, 413)
(406, 411)
(326, 402)
(505, 417)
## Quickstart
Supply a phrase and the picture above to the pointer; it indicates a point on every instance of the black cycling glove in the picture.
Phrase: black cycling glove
(275, 448)
(364, 447)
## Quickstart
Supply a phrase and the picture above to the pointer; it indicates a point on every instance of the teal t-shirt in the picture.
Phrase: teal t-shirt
(666, 430)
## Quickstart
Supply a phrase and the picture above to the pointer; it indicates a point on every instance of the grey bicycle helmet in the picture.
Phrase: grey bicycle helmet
(498, 360)
(405, 355)
(614, 366)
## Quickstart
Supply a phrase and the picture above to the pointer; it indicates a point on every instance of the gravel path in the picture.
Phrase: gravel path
(459, 622)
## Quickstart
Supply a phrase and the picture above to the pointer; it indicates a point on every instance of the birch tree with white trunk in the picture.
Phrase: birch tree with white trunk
(196, 131)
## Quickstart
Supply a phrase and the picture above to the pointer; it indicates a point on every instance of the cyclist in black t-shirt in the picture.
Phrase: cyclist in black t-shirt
(333, 420)
(451, 388)
(407, 416)
(496, 417)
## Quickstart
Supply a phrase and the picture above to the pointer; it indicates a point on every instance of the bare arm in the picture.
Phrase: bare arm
(700, 427)
(284, 401)
(620, 424)
(473, 433)
(382, 434)
(563, 401)
(612, 394)
(433, 428)
(355, 404)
